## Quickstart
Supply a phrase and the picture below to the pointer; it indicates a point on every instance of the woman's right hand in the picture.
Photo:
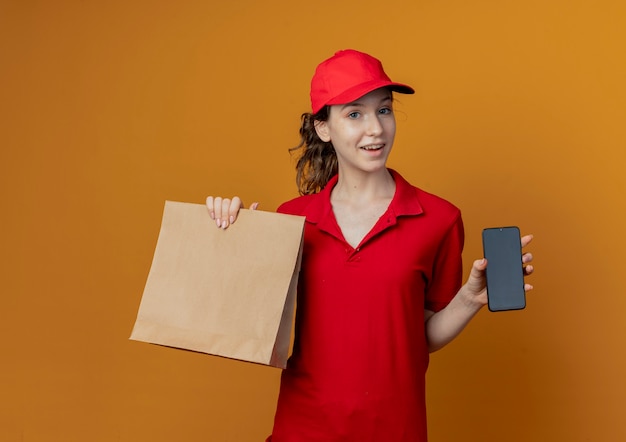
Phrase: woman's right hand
(225, 210)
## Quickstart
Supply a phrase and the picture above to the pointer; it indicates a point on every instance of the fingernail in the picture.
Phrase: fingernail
(232, 219)
(217, 221)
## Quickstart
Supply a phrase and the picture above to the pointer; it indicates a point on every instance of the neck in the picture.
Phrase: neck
(364, 186)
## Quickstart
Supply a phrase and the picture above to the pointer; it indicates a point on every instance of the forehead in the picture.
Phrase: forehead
(374, 98)
(376, 95)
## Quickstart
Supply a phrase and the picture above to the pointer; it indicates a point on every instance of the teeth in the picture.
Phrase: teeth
(373, 147)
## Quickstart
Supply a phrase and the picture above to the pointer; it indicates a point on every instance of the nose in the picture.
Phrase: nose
(374, 126)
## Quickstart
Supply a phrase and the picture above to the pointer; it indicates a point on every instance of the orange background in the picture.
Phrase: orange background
(110, 108)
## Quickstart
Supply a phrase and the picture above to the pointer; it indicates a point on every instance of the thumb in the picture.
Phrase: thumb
(476, 280)
(480, 264)
(478, 268)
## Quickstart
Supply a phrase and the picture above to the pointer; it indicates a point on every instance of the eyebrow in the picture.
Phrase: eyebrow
(359, 104)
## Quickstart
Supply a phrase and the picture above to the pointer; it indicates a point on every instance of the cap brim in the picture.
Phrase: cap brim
(358, 91)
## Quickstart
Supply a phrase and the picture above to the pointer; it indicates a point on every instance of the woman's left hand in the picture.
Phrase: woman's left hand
(476, 286)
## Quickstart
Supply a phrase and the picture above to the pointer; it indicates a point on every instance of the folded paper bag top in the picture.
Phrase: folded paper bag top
(226, 292)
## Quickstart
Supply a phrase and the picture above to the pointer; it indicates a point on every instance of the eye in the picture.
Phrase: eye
(385, 110)
(354, 115)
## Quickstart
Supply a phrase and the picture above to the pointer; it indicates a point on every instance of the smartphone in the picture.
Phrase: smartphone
(505, 271)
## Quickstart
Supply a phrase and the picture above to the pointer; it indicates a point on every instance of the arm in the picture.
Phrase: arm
(442, 327)
(224, 210)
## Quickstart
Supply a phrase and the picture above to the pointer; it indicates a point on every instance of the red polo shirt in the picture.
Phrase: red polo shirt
(358, 367)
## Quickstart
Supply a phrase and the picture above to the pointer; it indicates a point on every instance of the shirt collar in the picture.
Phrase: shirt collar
(405, 201)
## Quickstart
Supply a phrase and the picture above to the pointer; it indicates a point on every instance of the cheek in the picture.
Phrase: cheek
(390, 126)
(343, 134)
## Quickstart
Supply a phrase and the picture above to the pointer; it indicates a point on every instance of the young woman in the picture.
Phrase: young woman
(380, 284)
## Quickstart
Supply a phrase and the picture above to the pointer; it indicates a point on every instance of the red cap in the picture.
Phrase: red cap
(347, 76)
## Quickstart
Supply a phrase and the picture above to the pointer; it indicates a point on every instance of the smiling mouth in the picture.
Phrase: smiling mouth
(373, 147)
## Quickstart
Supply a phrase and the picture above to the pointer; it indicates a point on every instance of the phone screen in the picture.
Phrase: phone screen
(505, 273)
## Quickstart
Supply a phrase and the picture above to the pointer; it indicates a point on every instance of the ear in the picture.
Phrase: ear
(321, 127)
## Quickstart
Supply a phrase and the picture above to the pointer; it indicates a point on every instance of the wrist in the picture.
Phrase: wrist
(472, 301)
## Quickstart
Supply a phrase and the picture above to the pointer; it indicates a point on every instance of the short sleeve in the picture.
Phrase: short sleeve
(447, 271)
